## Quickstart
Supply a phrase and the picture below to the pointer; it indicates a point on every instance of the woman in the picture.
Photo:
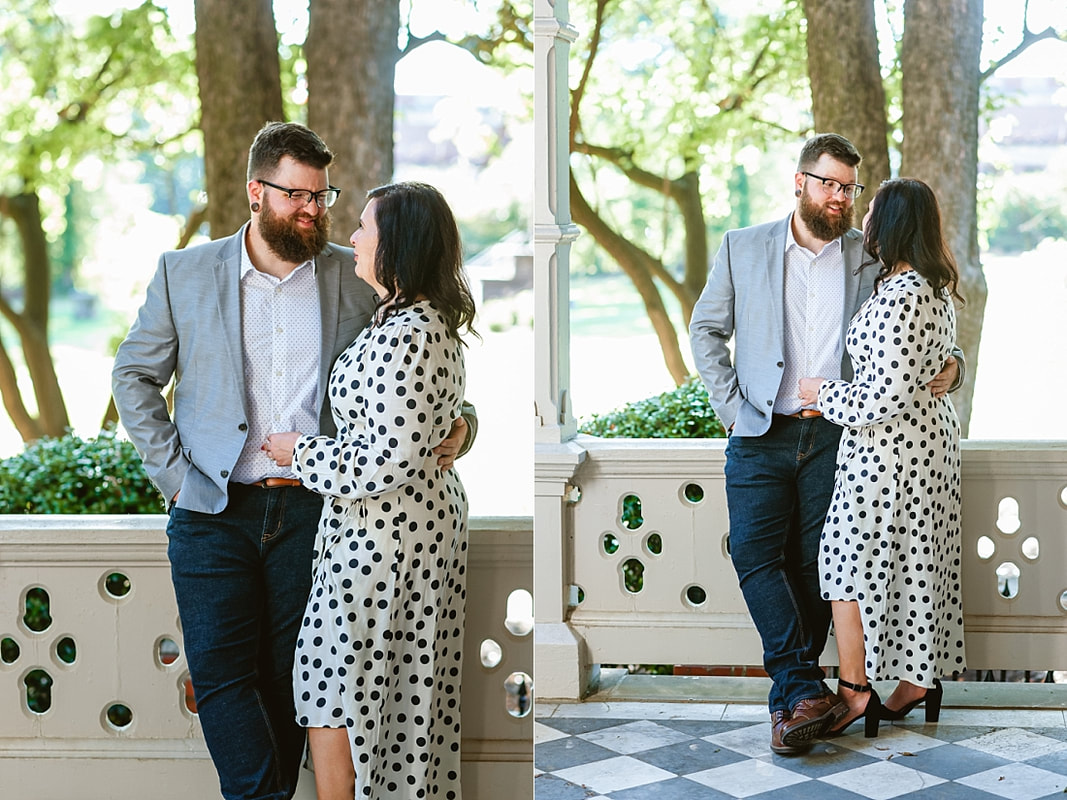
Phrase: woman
(377, 671)
(890, 553)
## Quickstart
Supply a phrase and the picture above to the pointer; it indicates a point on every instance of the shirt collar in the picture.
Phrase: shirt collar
(246, 260)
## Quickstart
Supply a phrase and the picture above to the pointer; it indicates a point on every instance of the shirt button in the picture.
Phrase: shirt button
(225, 473)
(242, 427)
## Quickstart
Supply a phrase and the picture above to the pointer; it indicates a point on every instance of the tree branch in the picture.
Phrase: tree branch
(579, 91)
(1029, 38)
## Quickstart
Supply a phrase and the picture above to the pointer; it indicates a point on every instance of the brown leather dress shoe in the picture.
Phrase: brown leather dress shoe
(811, 719)
(778, 719)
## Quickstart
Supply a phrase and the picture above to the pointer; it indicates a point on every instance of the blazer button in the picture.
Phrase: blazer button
(244, 427)
(225, 473)
(781, 364)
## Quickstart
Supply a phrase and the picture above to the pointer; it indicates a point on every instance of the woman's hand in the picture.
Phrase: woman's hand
(447, 451)
(279, 447)
(809, 391)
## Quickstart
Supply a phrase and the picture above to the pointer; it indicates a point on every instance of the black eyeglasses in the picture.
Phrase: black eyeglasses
(298, 198)
(832, 187)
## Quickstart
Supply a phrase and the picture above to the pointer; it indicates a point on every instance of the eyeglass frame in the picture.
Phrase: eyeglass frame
(316, 196)
(842, 186)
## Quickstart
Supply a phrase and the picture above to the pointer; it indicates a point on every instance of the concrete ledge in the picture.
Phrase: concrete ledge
(616, 685)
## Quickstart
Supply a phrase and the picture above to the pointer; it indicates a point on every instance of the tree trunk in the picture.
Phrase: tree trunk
(847, 93)
(940, 58)
(352, 52)
(240, 90)
(31, 325)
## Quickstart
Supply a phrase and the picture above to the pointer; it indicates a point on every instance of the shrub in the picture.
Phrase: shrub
(683, 413)
(70, 475)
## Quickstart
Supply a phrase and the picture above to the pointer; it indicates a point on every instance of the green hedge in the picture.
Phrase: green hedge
(684, 413)
(70, 475)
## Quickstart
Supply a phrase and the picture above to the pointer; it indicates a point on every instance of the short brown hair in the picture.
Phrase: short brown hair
(276, 140)
(832, 144)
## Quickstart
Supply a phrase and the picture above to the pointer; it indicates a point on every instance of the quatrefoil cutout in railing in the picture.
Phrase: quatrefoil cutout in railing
(38, 621)
(1009, 522)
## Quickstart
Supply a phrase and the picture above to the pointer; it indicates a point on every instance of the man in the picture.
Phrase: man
(248, 326)
(786, 291)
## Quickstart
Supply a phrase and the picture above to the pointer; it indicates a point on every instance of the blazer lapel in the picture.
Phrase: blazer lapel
(228, 300)
(774, 253)
(852, 249)
(328, 279)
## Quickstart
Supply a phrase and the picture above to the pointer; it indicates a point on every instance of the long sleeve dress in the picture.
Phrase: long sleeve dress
(380, 646)
(891, 540)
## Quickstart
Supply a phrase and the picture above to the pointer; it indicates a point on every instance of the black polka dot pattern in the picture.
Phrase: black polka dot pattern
(380, 647)
(892, 536)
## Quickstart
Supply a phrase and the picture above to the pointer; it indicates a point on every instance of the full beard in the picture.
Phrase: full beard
(824, 226)
(290, 243)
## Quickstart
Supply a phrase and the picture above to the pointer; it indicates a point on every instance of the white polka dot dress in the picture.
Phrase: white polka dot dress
(380, 650)
(892, 536)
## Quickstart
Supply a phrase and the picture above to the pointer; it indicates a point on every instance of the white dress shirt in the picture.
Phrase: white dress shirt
(812, 308)
(281, 335)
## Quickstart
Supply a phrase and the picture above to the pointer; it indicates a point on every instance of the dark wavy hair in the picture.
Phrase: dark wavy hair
(905, 227)
(419, 253)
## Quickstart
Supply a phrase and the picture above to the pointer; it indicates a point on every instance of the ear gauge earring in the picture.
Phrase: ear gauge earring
(255, 206)
(797, 193)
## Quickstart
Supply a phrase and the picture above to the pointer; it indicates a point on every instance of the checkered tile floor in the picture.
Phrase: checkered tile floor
(718, 751)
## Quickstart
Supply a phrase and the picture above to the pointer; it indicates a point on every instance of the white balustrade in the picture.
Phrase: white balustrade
(107, 657)
(657, 509)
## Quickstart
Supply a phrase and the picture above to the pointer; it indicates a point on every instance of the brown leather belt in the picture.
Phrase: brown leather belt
(805, 413)
(275, 483)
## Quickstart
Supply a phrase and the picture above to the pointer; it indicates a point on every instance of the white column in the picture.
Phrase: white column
(553, 229)
(562, 668)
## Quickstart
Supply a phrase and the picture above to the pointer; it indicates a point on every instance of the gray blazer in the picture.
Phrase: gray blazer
(190, 328)
(743, 299)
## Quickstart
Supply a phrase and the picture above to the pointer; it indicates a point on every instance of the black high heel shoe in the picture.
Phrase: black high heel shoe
(870, 715)
(932, 698)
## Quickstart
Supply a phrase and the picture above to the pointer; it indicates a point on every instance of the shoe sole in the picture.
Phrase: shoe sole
(804, 734)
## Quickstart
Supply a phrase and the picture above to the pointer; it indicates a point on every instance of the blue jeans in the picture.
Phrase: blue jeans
(242, 579)
(778, 489)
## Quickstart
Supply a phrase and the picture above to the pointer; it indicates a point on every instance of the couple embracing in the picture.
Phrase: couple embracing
(306, 465)
(842, 467)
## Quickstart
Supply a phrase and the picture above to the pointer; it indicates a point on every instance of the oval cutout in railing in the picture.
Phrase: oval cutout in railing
(631, 514)
(117, 585)
(519, 620)
(1008, 580)
(1031, 548)
(1063, 600)
(610, 543)
(38, 616)
(119, 716)
(1008, 521)
(986, 548)
(38, 685)
(654, 544)
(693, 492)
(167, 651)
(518, 691)
(9, 650)
(187, 695)
(633, 575)
(490, 654)
(66, 650)
(695, 595)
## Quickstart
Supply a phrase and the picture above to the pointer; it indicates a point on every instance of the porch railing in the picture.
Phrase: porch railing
(102, 648)
(642, 572)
